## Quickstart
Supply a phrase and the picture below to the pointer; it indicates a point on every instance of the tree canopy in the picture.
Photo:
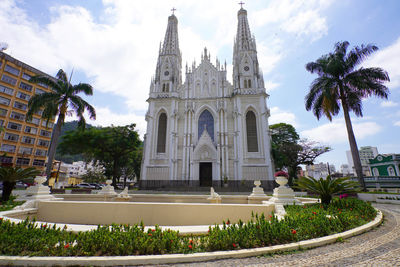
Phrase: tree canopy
(289, 151)
(116, 148)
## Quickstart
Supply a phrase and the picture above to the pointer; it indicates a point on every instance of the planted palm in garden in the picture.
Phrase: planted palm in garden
(328, 187)
(10, 175)
(63, 96)
(340, 83)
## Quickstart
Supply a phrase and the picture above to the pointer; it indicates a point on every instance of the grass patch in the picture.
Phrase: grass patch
(302, 222)
(10, 204)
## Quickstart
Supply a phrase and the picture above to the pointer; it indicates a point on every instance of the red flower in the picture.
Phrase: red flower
(172, 241)
(340, 212)
(294, 231)
(314, 213)
(190, 247)
(150, 234)
(270, 216)
(351, 209)
(191, 242)
(281, 173)
(66, 246)
(153, 230)
(228, 222)
(234, 245)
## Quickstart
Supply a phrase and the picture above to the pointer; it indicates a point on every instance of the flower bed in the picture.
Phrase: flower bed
(302, 222)
(10, 204)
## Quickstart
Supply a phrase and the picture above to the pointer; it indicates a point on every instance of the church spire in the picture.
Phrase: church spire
(246, 72)
(171, 41)
(244, 40)
(168, 76)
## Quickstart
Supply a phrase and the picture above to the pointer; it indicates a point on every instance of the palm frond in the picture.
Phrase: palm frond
(44, 80)
(359, 54)
(37, 102)
(87, 89)
(61, 75)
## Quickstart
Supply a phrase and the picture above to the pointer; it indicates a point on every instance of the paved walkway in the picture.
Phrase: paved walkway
(379, 247)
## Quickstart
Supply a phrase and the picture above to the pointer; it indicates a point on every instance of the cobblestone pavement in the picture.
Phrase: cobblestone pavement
(378, 247)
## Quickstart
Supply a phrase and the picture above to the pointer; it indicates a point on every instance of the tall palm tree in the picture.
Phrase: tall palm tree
(10, 175)
(63, 96)
(341, 83)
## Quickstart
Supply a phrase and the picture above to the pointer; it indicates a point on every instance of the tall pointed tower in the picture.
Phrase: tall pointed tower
(161, 140)
(252, 139)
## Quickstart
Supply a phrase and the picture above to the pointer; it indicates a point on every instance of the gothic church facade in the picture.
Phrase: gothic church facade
(205, 130)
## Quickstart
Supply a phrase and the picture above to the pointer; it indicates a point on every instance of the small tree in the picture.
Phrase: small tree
(10, 175)
(328, 187)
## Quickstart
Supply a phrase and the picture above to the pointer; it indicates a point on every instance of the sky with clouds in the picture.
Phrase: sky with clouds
(113, 45)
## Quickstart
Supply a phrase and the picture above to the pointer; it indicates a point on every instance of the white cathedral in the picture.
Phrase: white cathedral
(205, 130)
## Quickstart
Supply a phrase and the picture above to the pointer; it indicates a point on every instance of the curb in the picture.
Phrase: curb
(184, 258)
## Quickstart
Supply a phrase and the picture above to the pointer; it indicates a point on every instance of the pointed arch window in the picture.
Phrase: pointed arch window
(245, 83)
(162, 133)
(249, 83)
(251, 130)
(206, 121)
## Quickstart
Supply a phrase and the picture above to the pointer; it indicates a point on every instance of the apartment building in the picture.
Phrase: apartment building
(22, 143)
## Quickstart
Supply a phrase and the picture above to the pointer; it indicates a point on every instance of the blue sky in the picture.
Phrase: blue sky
(113, 45)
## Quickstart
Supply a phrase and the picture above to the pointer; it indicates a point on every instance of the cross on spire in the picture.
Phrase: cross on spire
(173, 10)
(241, 4)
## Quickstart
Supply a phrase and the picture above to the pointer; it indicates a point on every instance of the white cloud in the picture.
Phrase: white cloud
(270, 86)
(397, 123)
(106, 117)
(302, 18)
(388, 104)
(388, 59)
(335, 132)
(282, 116)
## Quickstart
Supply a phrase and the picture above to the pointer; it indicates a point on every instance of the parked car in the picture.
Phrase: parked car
(85, 185)
(21, 185)
(96, 186)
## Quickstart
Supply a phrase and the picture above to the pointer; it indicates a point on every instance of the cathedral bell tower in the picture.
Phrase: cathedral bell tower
(246, 71)
(169, 64)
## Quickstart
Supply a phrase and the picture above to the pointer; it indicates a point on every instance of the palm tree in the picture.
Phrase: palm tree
(340, 83)
(328, 187)
(10, 175)
(63, 96)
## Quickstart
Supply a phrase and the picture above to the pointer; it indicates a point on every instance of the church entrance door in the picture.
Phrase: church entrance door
(205, 173)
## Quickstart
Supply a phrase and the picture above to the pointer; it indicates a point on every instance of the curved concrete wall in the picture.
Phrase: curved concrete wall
(163, 214)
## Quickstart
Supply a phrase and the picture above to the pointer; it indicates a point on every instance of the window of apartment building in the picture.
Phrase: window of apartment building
(22, 161)
(6, 90)
(11, 70)
(5, 159)
(43, 85)
(8, 79)
(45, 133)
(25, 86)
(26, 76)
(38, 162)
(43, 143)
(7, 148)
(14, 126)
(11, 137)
(40, 152)
(49, 124)
(5, 101)
(34, 121)
(39, 112)
(23, 96)
(3, 112)
(20, 105)
(25, 150)
(31, 130)
(28, 140)
(17, 116)
(39, 91)
(1, 122)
